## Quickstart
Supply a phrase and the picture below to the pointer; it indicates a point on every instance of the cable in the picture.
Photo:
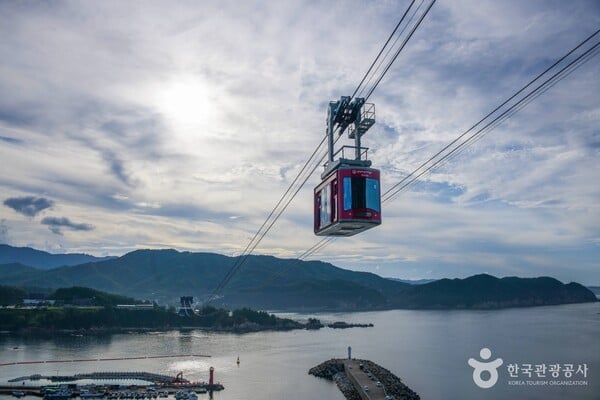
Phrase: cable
(275, 213)
(392, 46)
(239, 259)
(399, 50)
(242, 259)
(492, 112)
(383, 48)
(528, 98)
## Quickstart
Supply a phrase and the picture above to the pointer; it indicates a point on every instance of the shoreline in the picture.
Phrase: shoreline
(242, 329)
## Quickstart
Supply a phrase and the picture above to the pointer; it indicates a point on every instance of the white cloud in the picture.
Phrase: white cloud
(181, 126)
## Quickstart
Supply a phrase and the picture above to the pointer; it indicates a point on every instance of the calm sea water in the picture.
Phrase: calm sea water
(427, 349)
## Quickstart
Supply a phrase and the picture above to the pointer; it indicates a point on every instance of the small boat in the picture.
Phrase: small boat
(86, 394)
(18, 394)
(62, 394)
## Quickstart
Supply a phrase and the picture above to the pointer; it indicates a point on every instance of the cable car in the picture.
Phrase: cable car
(348, 202)
(348, 199)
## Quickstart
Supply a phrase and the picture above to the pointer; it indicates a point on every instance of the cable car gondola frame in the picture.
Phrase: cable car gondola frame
(348, 199)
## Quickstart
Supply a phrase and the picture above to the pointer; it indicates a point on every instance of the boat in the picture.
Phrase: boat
(18, 394)
(86, 394)
(62, 394)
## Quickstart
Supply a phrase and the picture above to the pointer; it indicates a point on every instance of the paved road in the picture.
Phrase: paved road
(360, 376)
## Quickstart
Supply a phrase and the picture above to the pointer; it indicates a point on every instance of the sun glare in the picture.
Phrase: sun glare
(187, 102)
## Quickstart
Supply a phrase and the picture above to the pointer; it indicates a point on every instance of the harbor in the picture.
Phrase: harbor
(159, 386)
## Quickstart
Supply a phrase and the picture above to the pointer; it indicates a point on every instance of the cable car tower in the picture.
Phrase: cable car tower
(348, 199)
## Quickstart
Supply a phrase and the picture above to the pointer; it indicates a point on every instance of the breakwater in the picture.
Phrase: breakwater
(337, 370)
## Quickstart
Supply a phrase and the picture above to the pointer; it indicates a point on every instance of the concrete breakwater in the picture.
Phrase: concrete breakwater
(337, 371)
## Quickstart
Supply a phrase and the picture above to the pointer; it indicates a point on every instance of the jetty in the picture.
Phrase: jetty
(363, 380)
(156, 382)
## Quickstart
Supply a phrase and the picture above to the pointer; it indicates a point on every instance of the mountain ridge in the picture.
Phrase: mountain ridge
(42, 259)
(272, 283)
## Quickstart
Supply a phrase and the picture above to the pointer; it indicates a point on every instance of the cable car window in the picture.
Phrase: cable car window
(347, 194)
(325, 215)
(334, 202)
(361, 193)
(372, 194)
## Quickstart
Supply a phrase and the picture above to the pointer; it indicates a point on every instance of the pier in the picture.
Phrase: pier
(157, 383)
(142, 376)
(353, 375)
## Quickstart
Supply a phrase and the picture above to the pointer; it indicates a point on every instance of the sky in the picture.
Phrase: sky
(155, 124)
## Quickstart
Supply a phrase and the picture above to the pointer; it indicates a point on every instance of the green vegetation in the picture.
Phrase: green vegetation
(77, 294)
(488, 292)
(11, 295)
(106, 316)
(283, 284)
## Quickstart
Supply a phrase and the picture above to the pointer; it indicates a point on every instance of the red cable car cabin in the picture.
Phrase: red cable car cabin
(348, 202)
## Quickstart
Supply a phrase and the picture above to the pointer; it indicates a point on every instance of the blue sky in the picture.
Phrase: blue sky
(127, 125)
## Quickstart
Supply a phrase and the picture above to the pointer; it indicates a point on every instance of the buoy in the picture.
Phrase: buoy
(238, 360)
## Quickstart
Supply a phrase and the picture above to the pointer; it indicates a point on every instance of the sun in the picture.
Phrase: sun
(187, 102)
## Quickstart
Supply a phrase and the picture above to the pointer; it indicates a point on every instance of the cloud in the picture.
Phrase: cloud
(181, 118)
(10, 140)
(3, 231)
(117, 167)
(28, 205)
(56, 224)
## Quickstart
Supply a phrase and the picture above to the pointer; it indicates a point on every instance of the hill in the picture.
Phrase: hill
(264, 281)
(104, 315)
(413, 282)
(488, 292)
(267, 282)
(76, 294)
(41, 259)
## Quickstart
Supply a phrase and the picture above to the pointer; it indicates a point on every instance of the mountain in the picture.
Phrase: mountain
(595, 289)
(268, 282)
(263, 281)
(41, 259)
(413, 281)
(488, 292)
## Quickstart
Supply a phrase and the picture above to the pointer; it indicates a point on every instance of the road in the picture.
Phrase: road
(360, 379)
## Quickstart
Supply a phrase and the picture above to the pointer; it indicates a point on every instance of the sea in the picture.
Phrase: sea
(545, 353)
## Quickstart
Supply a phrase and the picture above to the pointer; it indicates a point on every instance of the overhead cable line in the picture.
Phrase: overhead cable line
(283, 203)
(448, 151)
(389, 50)
(540, 89)
(383, 48)
(399, 50)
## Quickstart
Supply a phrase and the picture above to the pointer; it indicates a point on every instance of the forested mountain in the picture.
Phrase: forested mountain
(41, 259)
(272, 283)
